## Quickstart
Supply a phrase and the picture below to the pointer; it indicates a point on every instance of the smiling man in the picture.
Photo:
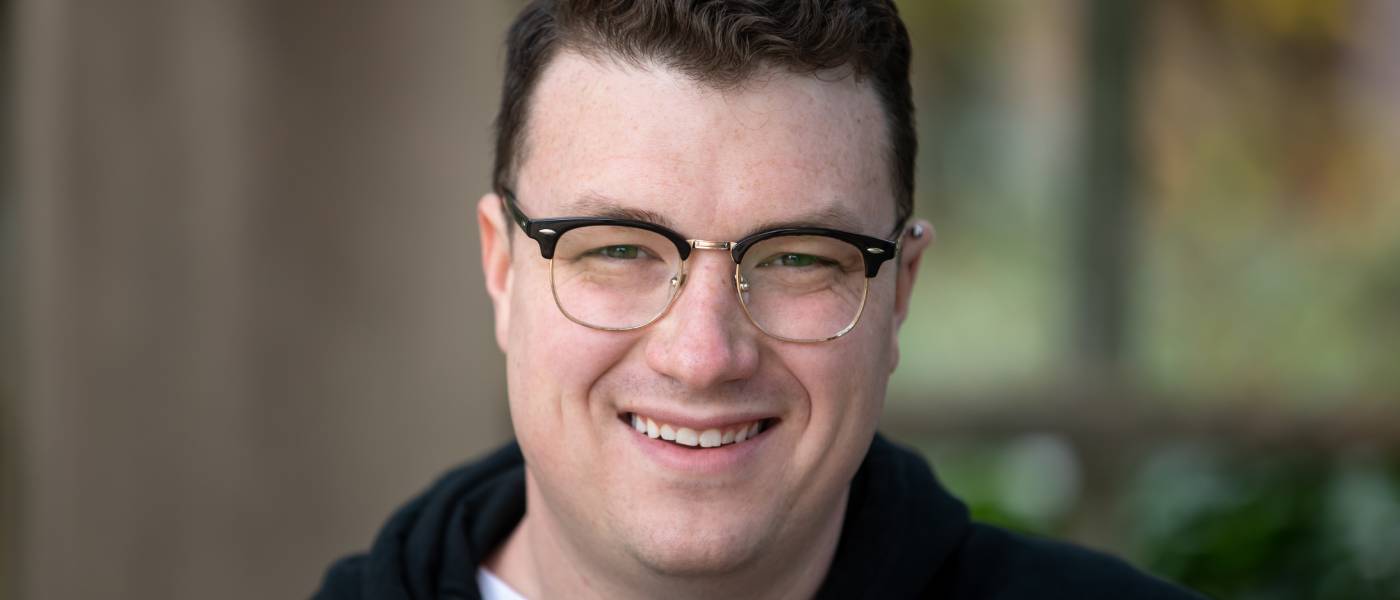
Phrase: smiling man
(700, 250)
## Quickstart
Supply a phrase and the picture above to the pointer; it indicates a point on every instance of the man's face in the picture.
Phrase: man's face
(715, 164)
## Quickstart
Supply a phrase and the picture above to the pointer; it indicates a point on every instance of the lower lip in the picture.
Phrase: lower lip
(700, 461)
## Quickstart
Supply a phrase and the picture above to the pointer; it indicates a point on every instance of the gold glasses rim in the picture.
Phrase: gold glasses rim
(677, 284)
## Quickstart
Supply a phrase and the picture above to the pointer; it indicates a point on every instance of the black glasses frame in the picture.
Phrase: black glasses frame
(546, 232)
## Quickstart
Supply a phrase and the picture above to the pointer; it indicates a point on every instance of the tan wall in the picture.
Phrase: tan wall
(251, 314)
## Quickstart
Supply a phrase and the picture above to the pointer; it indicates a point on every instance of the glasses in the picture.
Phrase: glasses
(803, 284)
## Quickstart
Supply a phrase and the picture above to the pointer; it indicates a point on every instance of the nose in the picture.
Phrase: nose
(705, 340)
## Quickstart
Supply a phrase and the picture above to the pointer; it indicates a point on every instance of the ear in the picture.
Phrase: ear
(495, 261)
(917, 238)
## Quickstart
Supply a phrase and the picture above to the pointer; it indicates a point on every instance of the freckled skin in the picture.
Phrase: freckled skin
(603, 519)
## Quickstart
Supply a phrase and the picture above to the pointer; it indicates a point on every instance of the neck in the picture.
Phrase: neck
(542, 561)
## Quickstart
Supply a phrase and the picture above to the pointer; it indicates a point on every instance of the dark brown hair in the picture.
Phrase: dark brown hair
(718, 43)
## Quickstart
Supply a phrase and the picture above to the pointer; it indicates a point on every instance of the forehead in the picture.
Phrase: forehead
(778, 148)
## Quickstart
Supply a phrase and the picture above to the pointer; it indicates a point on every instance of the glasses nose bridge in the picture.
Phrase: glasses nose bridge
(711, 245)
(726, 247)
(696, 244)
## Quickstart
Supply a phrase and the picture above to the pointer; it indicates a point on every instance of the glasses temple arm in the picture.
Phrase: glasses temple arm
(508, 200)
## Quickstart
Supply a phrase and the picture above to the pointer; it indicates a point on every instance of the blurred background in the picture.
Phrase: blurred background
(241, 317)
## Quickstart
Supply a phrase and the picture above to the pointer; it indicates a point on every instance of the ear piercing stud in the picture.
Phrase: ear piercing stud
(917, 231)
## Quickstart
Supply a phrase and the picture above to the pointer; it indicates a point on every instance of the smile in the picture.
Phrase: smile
(703, 438)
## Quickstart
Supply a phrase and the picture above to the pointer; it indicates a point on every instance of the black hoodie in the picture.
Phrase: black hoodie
(903, 537)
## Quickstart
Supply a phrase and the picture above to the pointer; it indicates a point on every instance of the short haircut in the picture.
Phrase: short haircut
(720, 43)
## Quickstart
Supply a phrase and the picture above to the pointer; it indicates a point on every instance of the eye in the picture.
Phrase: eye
(793, 259)
(619, 252)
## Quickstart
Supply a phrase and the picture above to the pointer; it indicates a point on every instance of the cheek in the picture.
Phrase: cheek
(879, 319)
(847, 383)
(543, 341)
(846, 388)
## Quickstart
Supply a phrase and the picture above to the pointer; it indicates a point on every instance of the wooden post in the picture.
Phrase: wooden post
(1104, 243)
(252, 314)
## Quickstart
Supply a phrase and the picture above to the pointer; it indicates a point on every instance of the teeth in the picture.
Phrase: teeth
(709, 438)
(685, 436)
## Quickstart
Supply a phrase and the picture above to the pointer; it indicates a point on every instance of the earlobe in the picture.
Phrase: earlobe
(495, 261)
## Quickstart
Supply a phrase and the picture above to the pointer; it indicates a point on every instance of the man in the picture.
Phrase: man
(699, 251)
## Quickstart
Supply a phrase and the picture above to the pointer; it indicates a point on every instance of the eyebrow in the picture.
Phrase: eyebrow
(598, 205)
(827, 217)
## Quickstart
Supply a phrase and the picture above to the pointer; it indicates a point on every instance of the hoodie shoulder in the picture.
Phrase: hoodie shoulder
(342, 580)
(995, 563)
(431, 546)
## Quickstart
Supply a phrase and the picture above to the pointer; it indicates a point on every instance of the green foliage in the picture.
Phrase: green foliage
(1264, 266)
(1229, 523)
(1276, 527)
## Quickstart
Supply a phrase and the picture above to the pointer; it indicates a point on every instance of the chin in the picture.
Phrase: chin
(680, 547)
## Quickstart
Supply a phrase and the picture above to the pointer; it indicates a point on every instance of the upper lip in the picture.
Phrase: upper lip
(699, 423)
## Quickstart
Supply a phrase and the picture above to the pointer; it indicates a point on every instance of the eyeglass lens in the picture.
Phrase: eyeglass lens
(803, 288)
